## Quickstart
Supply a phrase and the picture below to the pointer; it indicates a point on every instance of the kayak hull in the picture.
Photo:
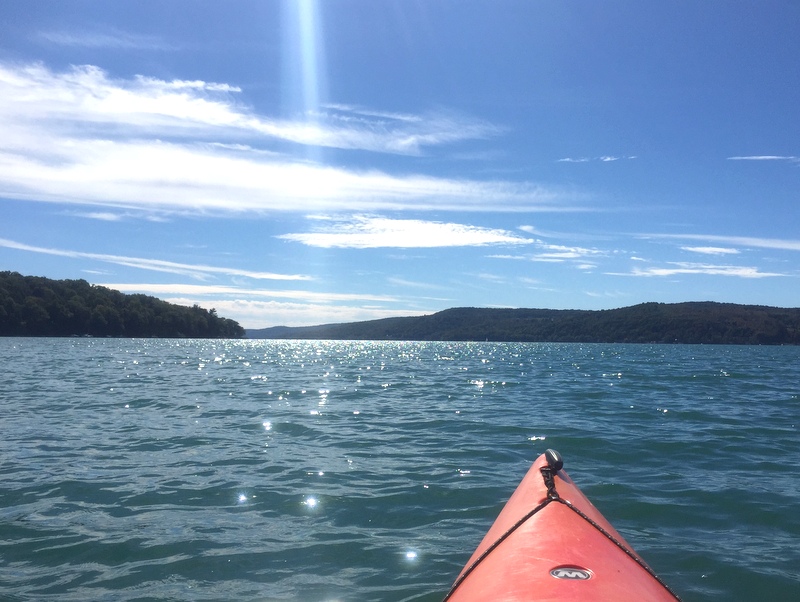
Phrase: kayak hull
(552, 544)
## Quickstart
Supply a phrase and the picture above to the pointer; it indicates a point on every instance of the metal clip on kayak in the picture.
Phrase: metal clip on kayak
(554, 464)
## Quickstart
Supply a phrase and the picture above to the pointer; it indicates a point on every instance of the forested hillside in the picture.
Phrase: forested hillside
(34, 306)
(646, 323)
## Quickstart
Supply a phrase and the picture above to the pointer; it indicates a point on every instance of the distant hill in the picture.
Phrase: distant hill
(700, 322)
(34, 306)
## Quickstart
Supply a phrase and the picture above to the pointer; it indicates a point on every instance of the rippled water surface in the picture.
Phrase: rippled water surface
(320, 471)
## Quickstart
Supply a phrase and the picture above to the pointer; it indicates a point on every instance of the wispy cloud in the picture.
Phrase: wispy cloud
(258, 308)
(260, 314)
(712, 250)
(787, 158)
(356, 110)
(82, 137)
(203, 290)
(118, 216)
(563, 253)
(106, 39)
(744, 241)
(88, 95)
(413, 284)
(413, 132)
(103, 216)
(607, 294)
(601, 159)
(683, 268)
(364, 232)
(549, 253)
(196, 271)
(491, 277)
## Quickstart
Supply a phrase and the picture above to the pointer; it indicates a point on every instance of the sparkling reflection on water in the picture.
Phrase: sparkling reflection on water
(216, 470)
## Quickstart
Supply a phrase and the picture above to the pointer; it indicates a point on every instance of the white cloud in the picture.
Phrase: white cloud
(562, 253)
(712, 250)
(87, 95)
(262, 314)
(679, 268)
(789, 158)
(159, 176)
(259, 308)
(533, 230)
(103, 216)
(607, 294)
(365, 232)
(558, 254)
(743, 241)
(156, 265)
(116, 216)
(602, 159)
(512, 257)
(82, 137)
(203, 290)
(412, 132)
(354, 110)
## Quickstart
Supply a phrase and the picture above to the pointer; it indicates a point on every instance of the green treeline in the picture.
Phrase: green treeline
(34, 306)
(704, 322)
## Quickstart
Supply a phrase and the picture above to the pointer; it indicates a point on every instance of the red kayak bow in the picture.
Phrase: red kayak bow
(550, 543)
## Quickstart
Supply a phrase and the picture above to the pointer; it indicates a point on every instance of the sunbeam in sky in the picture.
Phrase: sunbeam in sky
(303, 162)
(305, 76)
(311, 59)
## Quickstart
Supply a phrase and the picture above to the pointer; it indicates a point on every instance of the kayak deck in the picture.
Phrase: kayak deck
(550, 543)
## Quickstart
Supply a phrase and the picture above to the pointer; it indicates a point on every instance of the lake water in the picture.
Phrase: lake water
(321, 471)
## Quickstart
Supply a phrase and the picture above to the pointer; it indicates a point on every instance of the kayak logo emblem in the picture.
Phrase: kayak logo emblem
(573, 573)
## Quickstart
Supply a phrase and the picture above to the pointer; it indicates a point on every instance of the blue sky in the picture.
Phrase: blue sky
(301, 162)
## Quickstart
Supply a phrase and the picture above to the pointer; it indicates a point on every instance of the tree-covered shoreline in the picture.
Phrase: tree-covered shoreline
(691, 323)
(37, 306)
